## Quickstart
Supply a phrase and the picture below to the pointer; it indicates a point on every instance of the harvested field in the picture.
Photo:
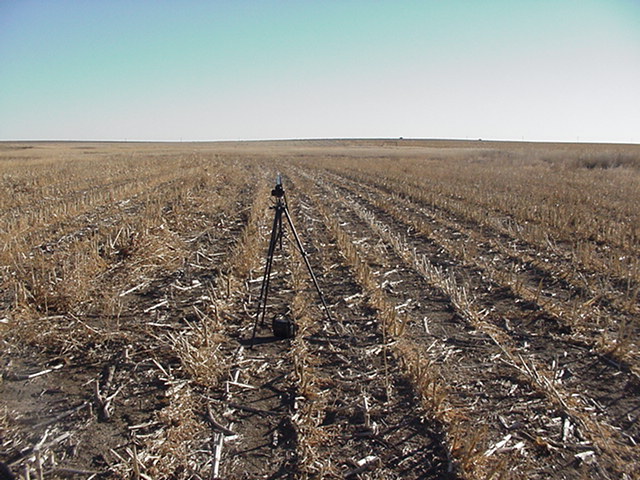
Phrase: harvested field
(486, 299)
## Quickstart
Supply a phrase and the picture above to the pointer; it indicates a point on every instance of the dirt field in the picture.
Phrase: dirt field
(485, 299)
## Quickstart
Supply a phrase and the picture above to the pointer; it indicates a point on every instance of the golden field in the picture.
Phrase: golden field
(485, 298)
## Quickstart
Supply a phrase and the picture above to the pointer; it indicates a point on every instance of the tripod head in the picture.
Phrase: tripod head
(278, 191)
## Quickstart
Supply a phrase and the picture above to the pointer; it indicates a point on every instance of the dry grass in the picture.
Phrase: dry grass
(463, 448)
(142, 256)
(540, 208)
(588, 213)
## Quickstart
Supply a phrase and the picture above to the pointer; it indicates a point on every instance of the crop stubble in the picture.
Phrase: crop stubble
(485, 296)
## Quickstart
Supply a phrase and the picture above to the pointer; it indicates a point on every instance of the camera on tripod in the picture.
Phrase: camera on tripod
(283, 327)
(278, 191)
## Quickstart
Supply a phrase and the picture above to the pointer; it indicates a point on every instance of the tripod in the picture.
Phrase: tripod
(277, 232)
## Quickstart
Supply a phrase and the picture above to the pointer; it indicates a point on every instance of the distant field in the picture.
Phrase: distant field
(485, 294)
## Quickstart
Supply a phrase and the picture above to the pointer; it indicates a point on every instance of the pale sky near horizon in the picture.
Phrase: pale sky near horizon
(554, 70)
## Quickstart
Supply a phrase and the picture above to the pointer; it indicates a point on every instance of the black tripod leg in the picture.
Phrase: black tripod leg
(262, 307)
(306, 261)
(267, 268)
(278, 225)
(262, 299)
(281, 234)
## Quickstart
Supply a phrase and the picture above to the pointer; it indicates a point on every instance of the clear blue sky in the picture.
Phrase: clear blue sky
(196, 70)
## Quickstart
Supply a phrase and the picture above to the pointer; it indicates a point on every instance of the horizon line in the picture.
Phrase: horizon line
(302, 139)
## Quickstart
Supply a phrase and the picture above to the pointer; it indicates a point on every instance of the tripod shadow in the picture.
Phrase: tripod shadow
(260, 340)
